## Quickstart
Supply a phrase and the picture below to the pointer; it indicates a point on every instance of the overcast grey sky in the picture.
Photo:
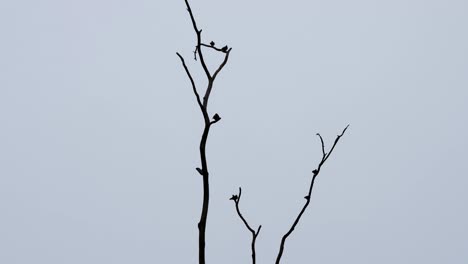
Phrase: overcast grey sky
(99, 131)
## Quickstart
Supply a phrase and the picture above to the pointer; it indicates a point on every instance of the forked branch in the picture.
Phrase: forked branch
(203, 105)
(236, 199)
(194, 87)
(208, 122)
(315, 173)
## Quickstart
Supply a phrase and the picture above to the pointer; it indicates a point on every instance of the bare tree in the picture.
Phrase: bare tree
(208, 122)
(203, 105)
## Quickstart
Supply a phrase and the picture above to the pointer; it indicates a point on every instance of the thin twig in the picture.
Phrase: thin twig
(323, 145)
(194, 87)
(198, 47)
(226, 57)
(213, 47)
(236, 199)
(307, 197)
(210, 82)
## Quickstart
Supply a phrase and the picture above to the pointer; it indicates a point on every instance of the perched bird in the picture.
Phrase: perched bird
(216, 117)
(315, 172)
(224, 49)
(234, 198)
(212, 43)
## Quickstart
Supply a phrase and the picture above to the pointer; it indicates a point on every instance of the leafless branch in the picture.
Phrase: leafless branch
(315, 172)
(323, 145)
(194, 87)
(226, 57)
(236, 199)
(199, 41)
(203, 104)
(210, 82)
(212, 46)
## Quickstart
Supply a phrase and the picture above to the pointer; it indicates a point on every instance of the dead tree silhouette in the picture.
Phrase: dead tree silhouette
(208, 122)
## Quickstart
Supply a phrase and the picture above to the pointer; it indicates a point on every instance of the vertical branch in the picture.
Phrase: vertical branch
(307, 197)
(199, 41)
(236, 199)
(203, 105)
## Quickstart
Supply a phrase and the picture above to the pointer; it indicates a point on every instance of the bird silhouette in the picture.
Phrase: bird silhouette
(212, 43)
(216, 117)
(224, 49)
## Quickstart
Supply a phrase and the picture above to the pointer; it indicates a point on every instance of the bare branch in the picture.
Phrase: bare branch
(226, 57)
(194, 23)
(323, 145)
(210, 84)
(334, 143)
(223, 49)
(198, 47)
(203, 169)
(202, 58)
(236, 199)
(194, 87)
(307, 197)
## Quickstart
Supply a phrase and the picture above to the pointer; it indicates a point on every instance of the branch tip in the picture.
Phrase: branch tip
(307, 197)
(344, 130)
(254, 233)
(199, 171)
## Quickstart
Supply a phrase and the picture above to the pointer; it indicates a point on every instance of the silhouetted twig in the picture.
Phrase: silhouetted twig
(194, 87)
(315, 172)
(236, 199)
(203, 105)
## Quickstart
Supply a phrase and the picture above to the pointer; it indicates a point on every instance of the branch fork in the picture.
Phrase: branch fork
(236, 199)
(315, 173)
(203, 105)
(203, 171)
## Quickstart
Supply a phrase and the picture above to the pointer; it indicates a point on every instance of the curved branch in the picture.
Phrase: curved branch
(226, 57)
(323, 145)
(210, 83)
(307, 197)
(236, 199)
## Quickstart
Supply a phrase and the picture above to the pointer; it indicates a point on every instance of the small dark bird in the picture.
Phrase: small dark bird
(224, 49)
(216, 117)
(199, 171)
(234, 198)
(315, 172)
(212, 43)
